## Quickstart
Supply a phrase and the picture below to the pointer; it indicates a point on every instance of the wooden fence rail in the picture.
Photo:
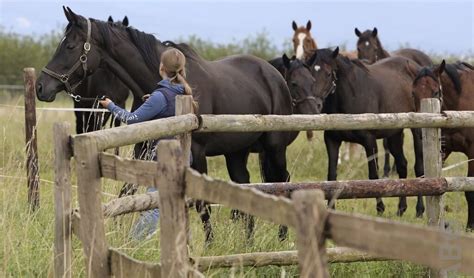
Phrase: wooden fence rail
(381, 239)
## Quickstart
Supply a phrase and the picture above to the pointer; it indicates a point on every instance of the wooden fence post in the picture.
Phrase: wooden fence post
(62, 200)
(32, 167)
(170, 181)
(89, 190)
(311, 217)
(184, 105)
(432, 168)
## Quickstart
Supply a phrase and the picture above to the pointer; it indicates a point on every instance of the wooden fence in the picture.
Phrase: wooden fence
(306, 212)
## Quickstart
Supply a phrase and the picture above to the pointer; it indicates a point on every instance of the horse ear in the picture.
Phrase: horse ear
(374, 32)
(308, 25)
(357, 32)
(335, 52)
(125, 21)
(286, 61)
(110, 19)
(73, 18)
(294, 25)
(439, 70)
(66, 13)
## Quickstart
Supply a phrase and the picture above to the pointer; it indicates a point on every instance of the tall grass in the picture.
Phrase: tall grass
(27, 238)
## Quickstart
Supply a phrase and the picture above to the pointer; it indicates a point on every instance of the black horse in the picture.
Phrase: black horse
(101, 82)
(239, 84)
(384, 87)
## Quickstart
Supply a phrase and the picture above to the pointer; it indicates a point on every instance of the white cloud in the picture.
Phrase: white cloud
(23, 22)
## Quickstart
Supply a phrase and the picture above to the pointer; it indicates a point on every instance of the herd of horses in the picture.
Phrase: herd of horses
(116, 59)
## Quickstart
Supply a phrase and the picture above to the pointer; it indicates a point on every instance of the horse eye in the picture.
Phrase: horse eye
(70, 46)
(294, 84)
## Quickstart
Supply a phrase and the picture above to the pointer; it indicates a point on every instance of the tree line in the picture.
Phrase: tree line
(20, 51)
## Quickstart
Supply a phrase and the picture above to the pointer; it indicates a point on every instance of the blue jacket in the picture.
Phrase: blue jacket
(160, 104)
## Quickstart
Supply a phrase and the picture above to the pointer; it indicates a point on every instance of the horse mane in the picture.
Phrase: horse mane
(452, 71)
(145, 43)
(425, 72)
(187, 50)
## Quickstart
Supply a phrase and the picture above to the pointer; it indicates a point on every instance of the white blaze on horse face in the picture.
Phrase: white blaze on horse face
(367, 43)
(317, 68)
(299, 48)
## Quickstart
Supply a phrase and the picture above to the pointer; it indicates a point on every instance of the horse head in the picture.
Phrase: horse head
(303, 42)
(368, 45)
(77, 56)
(427, 84)
(302, 86)
(323, 64)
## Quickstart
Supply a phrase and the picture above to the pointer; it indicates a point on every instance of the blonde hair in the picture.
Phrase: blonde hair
(173, 64)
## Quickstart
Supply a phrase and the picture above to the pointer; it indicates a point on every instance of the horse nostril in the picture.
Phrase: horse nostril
(39, 88)
(320, 106)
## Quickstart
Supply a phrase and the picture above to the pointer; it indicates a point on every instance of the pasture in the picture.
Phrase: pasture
(27, 238)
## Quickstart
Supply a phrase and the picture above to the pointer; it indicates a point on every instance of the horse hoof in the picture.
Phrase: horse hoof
(209, 240)
(235, 215)
(401, 211)
(380, 208)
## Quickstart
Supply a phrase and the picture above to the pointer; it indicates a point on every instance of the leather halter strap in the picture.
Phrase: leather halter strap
(64, 78)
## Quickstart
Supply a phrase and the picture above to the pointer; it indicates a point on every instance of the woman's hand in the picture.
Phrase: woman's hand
(145, 97)
(105, 102)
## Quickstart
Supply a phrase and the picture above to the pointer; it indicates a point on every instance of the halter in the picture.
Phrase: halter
(331, 89)
(64, 78)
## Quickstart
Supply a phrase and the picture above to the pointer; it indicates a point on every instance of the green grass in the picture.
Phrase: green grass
(27, 238)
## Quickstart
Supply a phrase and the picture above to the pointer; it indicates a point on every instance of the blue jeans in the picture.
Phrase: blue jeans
(147, 223)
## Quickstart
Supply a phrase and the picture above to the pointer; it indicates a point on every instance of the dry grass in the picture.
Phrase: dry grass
(27, 238)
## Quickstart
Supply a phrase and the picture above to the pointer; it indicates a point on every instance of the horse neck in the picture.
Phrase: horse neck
(451, 98)
(309, 51)
(381, 52)
(127, 63)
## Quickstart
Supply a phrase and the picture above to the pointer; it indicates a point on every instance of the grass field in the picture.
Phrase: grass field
(27, 238)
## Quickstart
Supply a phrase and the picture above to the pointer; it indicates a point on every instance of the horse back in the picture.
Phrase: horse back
(416, 55)
(239, 84)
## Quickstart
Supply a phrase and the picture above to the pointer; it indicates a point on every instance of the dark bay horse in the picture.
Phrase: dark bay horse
(239, 84)
(453, 84)
(370, 48)
(101, 82)
(355, 88)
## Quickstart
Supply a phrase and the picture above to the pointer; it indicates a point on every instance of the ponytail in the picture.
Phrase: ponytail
(180, 78)
(174, 62)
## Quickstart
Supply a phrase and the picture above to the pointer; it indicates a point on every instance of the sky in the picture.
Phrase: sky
(433, 26)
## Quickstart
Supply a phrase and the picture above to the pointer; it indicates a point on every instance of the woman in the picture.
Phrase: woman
(159, 104)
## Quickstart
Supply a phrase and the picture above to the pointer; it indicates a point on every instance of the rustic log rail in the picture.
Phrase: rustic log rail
(367, 234)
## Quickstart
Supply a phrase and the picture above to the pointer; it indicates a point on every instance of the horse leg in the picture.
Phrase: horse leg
(419, 170)
(395, 145)
(237, 168)
(370, 146)
(386, 164)
(202, 207)
(332, 149)
(274, 170)
(470, 194)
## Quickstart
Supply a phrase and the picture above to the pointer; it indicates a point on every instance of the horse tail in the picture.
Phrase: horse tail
(309, 135)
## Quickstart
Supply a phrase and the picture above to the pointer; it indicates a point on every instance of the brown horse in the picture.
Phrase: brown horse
(370, 48)
(355, 88)
(453, 84)
(303, 42)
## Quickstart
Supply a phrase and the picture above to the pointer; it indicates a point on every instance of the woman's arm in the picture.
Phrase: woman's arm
(153, 106)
